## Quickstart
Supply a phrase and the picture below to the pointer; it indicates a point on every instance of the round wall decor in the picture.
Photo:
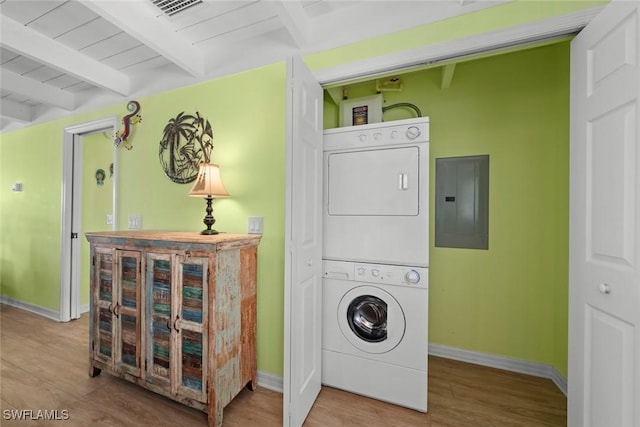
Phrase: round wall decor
(187, 141)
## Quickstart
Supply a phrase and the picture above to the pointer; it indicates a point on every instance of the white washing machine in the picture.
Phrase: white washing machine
(374, 339)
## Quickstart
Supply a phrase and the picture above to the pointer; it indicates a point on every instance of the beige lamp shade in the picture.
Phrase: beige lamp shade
(208, 182)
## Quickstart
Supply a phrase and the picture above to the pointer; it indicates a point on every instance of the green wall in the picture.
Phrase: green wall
(247, 112)
(30, 221)
(510, 300)
(97, 200)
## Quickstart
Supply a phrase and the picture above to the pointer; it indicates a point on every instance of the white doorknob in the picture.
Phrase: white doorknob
(309, 262)
(604, 288)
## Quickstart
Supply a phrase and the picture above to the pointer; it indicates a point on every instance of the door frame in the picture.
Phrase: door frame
(496, 42)
(69, 307)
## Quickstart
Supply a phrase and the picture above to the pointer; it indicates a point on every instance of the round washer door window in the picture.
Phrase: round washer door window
(371, 319)
(367, 318)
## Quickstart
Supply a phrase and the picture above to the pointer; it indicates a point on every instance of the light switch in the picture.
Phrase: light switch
(135, 222)
(109, 219)
(255, 225)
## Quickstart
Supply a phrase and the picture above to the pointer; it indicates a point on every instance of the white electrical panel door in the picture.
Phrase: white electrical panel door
(381, 182)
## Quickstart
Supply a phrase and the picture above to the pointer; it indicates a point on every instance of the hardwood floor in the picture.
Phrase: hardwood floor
(44, 366)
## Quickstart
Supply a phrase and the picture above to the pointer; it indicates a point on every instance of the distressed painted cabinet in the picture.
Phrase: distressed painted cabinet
(175, 313)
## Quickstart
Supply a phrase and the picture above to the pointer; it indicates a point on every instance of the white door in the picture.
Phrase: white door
(604, 267)
(303, 244)
(76, 226)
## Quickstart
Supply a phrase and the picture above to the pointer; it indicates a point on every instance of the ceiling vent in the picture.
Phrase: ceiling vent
(171, 7)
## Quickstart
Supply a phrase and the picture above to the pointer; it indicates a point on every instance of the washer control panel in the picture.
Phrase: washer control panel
(377, 273)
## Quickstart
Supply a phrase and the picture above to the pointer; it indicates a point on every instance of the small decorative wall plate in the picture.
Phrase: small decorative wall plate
(100, 176)
(186, 142)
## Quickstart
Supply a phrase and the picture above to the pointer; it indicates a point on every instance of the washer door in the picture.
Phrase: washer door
(371, 319)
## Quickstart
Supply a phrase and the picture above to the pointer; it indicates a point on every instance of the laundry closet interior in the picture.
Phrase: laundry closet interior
(509, 299)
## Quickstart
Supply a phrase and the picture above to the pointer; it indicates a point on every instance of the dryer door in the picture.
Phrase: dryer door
(371, 319)
(378, 182)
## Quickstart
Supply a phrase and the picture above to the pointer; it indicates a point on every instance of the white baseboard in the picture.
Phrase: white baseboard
(270, 381)
(84, 308)
(36, 309)
(501, 362)
(559, 381)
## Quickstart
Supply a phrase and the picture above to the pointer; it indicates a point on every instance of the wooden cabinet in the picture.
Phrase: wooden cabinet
(175, 313)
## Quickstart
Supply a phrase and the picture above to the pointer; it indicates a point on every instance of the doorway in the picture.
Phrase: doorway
(72, 178)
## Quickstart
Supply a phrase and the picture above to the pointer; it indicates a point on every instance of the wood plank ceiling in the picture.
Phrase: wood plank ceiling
(59, 57)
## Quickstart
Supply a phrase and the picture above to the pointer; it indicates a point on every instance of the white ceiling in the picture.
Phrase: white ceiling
(59, 57)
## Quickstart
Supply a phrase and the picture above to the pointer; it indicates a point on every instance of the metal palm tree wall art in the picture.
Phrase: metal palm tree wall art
(187, 141)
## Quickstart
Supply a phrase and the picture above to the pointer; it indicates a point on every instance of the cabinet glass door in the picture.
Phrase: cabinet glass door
(127, 311)
(158, 321)
(103, 305)
(191, 327)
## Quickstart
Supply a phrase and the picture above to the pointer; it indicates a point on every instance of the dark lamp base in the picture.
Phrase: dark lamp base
(209, 232)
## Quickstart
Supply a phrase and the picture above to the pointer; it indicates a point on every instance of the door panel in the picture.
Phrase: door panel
(158, 318)
(307, 314)
(193, 279)
(103, 304)
(608, 339)
(610, 163)
(127, 312)
(303, 241)
(604, 273)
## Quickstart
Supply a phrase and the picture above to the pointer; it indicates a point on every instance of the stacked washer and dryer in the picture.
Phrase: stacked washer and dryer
(375, 261)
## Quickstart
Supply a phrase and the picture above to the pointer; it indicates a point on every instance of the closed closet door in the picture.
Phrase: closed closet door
(381, 182)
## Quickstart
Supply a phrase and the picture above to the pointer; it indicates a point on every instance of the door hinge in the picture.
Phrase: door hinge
(74, 235)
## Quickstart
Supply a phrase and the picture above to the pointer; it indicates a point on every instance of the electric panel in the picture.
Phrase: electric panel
(462, 202)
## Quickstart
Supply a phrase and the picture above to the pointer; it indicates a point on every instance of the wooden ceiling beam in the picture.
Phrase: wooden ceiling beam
(137, 19)
(447, 75)
(34, 45)
(16, 111)
(37, 91)
(295, 20)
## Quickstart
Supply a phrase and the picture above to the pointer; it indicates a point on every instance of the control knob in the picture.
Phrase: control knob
(362, 137)
(375, 272)
(412, 277)
(413, 132)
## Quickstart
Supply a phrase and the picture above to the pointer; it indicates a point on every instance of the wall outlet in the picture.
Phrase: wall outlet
(255, 225)
(135, 222)
(109, 219)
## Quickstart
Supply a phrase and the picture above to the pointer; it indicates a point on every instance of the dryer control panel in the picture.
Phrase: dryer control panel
(384, 274)
(376, 134)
